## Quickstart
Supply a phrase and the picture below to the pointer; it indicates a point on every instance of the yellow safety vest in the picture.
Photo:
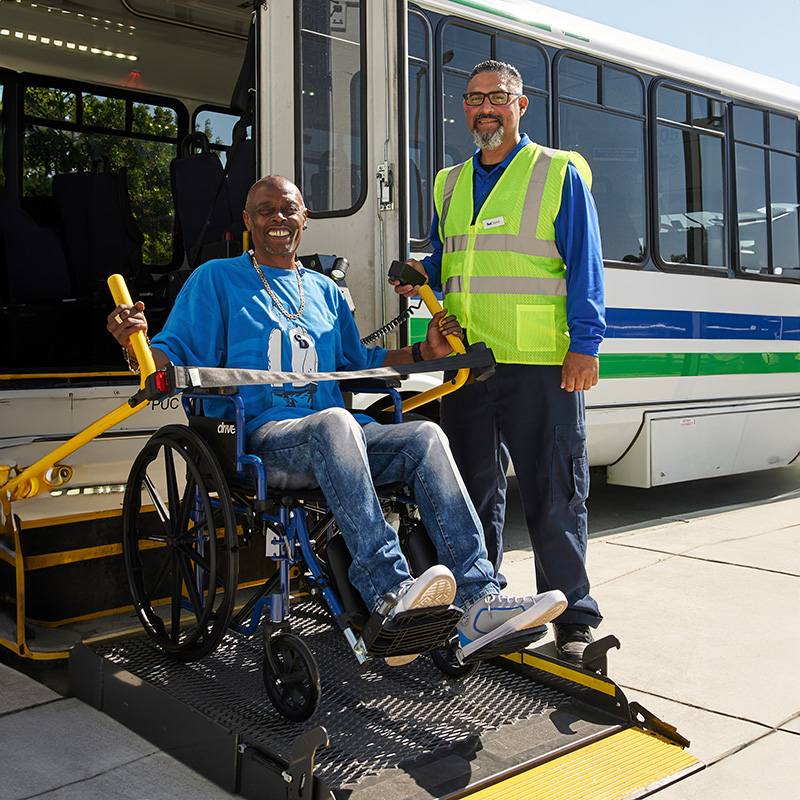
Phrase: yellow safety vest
(503, 277)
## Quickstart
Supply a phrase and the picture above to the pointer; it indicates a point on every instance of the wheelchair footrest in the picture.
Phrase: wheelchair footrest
(512, 643)
(416, 631)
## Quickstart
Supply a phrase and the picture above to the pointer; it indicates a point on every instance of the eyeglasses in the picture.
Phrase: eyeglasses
(495, 98)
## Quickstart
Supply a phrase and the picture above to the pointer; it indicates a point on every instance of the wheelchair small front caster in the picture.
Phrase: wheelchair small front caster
(446, 660)
(291, 676)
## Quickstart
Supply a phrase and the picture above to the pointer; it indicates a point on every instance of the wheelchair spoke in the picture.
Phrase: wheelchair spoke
(183, 512)
(192, 534)
(161, 509)
(190, 578)
(151, 594)
(171, 480)
(190, 554)
(176, 606)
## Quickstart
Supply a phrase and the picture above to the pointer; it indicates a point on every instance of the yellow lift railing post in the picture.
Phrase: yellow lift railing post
(434, 306)
(47, 473)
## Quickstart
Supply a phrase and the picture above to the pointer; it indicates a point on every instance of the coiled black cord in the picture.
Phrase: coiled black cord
(391, 324)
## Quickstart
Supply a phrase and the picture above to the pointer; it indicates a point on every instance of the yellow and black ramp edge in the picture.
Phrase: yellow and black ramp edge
(639, 756)
(627, 764)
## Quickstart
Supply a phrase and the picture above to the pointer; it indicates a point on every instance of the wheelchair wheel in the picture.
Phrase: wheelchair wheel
(291, 676)
(445, 659)
(179, 543)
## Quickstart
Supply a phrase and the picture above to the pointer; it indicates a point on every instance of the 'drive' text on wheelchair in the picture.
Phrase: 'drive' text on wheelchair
(317, 476)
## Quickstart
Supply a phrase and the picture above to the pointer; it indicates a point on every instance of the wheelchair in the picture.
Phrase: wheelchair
(195, 498)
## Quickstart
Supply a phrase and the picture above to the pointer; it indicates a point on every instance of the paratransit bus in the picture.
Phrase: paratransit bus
(131, 131)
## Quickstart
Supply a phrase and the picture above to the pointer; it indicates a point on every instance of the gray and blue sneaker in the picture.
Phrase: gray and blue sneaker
(497, 615)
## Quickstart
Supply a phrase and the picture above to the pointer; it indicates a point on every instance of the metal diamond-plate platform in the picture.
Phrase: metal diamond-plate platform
(382, 721)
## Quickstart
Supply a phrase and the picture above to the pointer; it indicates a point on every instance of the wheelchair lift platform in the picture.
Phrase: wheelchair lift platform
(524, 726)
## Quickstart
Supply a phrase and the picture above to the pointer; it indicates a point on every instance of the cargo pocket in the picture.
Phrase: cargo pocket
(570, 480)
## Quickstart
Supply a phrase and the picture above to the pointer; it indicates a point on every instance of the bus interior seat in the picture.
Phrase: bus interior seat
(101, 232)
(36, 264)
(241, 176)
(202, 199)
(242, 171)
(37, 289)
(208, 197)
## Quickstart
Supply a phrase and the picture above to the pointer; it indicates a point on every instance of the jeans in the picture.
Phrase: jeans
(522, 411)
(331, 450)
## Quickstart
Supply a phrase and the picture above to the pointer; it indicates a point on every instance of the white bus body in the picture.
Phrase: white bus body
(700, 370)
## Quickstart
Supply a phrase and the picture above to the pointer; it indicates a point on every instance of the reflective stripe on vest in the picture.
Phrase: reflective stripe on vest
(526, 241)
(504, 284)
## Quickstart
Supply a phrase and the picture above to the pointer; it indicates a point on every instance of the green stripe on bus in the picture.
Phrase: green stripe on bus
(672, 365)
(505, 14)
(676, 365)
(417, 329)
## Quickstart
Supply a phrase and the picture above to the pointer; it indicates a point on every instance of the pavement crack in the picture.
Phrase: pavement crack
(79, 782)
(633, 571)
(688, 555)
(766, 728)
(31, 707)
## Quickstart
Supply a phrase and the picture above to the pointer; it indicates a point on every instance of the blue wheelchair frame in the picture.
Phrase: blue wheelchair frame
(292, 543)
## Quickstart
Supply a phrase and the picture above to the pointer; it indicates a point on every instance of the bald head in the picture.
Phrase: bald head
(277, 182)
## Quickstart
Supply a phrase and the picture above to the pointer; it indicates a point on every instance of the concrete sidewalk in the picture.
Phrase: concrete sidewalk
(705, 608)
(59, 748)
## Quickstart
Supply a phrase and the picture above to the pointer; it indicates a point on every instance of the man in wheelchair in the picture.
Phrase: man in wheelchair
(262, 308)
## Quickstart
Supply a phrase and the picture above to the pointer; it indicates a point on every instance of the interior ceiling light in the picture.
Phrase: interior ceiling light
(46, 41)
(79, 14)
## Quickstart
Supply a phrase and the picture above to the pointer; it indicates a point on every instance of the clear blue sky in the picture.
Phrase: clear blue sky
(763, 36)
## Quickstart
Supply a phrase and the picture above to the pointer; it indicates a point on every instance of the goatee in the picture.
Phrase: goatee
(488, 141)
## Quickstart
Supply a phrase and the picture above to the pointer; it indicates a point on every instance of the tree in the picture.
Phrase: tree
(141, 138)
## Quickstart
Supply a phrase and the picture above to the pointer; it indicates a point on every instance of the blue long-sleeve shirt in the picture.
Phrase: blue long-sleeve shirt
(578, 240)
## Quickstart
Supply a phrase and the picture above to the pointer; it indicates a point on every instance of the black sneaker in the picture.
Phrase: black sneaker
(571, 641)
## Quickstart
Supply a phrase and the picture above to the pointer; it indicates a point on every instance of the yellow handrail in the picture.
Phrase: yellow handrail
(434, 306)
(119, 291)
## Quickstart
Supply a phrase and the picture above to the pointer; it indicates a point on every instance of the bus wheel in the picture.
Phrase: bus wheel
(179, 543)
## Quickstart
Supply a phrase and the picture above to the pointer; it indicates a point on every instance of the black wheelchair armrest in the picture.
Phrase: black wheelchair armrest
(369, 384)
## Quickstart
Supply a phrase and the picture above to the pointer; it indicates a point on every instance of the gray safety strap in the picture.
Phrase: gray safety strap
(208, 377)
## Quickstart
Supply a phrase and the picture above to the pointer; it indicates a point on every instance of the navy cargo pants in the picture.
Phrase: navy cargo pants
(522, 412)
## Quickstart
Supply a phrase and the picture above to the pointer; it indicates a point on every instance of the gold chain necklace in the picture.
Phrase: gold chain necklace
(272, 294)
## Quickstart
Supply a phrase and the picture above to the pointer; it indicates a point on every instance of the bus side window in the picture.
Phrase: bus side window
(421, 139)
(766, 193)
(604, 121)
(690, 179)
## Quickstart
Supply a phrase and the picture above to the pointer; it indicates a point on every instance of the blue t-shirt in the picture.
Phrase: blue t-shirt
(578, 241)
(224, 317)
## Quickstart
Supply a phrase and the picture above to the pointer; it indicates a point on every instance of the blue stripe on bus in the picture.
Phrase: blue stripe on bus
(647, 323)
